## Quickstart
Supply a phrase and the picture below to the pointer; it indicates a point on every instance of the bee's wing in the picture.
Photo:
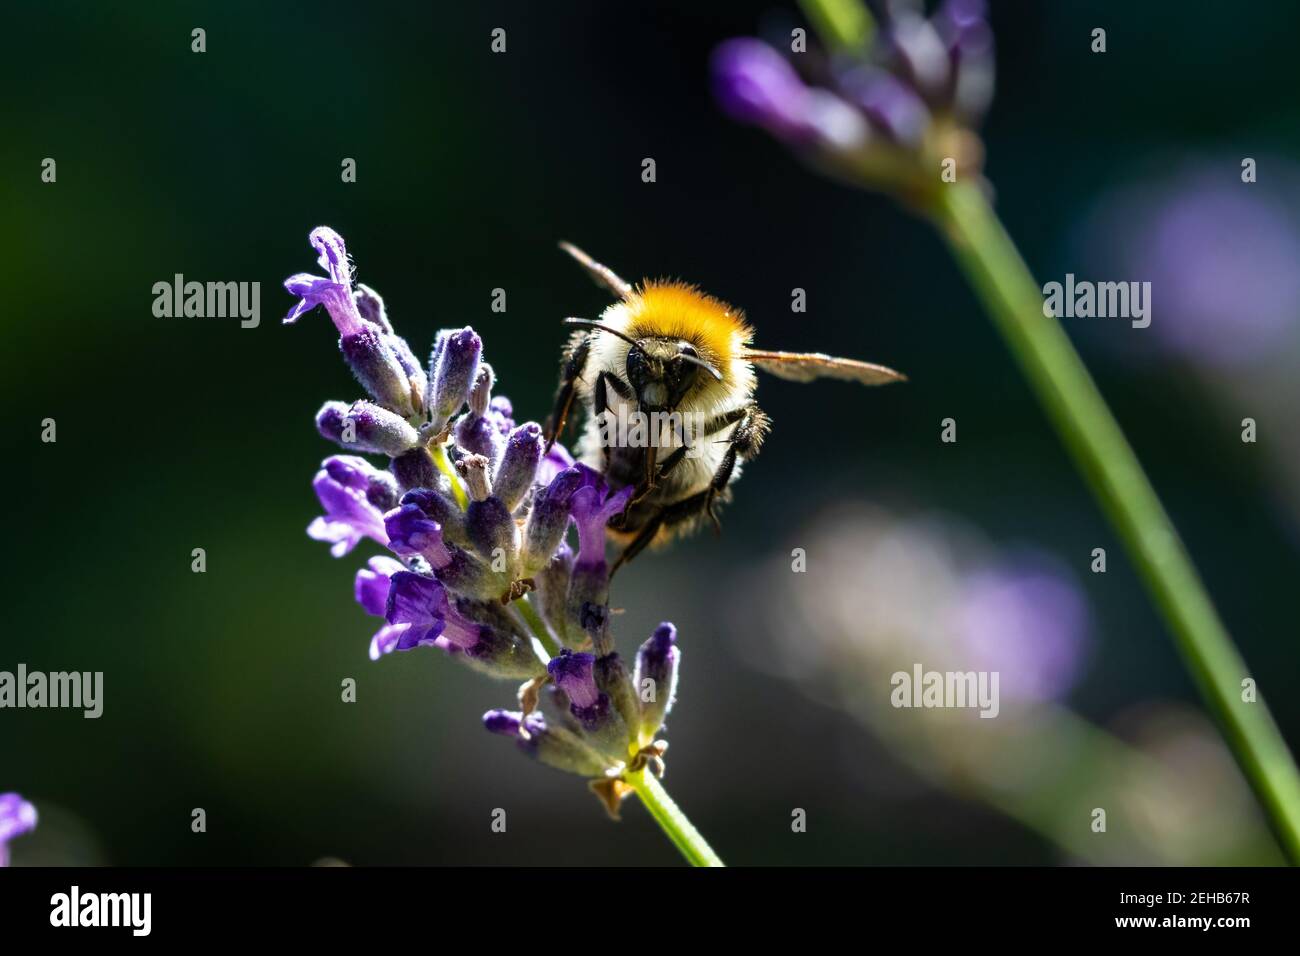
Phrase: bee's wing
(806, 366)
(602, 275)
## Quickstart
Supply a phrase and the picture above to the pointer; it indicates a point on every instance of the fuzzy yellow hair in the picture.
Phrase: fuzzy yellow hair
(677, 310)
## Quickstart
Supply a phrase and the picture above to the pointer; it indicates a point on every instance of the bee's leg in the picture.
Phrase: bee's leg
(607, 382)
(575, 358)
(745, 441)
(714, 425)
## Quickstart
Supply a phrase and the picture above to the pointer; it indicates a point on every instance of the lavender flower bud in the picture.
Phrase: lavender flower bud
(329, 421)
(371, 307)
(613, 679)
(548, 520)
(417, 383)
(438, 506)
(915, 45)
(380, 429)
(556, 747)
(971, 53)
(453, 371)
(492, 533)
(467, 575)
(378, 486)
(376, 367)
(479, 436)
(410, 533)
(891, 105)
(755, 84)
(415, 469)
(552, 583)
(655, 679)
(497, 654)
(514, 476)
(481, 394)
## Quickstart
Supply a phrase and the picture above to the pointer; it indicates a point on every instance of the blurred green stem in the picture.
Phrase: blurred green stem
(1003, 282)
(671, 819)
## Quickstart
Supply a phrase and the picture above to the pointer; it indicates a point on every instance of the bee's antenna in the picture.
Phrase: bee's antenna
(717, 376)
(592, 323)
(601, 327)
(602, 275)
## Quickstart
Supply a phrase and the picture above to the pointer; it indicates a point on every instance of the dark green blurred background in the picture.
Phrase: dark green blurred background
(222, 689)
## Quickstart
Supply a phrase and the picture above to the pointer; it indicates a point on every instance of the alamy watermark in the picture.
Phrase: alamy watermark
(946, 689)
(77, 690)
(1102, 300)
(208, 300)
(634, 428)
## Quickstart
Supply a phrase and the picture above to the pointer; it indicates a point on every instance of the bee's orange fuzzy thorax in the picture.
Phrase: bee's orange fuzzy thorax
(716, 329)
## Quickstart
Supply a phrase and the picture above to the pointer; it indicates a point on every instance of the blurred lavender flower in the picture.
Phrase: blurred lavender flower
(1025, 618)
(1220, 256)
(892, 592)
(888, 108)
(477, 516)
(17, 817)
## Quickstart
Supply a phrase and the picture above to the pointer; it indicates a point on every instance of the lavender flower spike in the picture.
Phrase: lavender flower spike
(476, 514)
(17, 817)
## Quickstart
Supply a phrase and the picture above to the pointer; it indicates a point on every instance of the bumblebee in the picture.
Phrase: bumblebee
(679, 364)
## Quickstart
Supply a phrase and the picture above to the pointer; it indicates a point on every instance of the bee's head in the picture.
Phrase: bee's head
(661, 370)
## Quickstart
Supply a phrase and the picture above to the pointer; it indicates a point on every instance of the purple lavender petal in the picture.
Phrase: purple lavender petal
(17, 817)
(415, 599)
(591, 510)
(349, 515)
(370, 587)
(411, 532)
(572, 673)
(755, 84)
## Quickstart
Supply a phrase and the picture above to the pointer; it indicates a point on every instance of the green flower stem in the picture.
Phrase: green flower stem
(443, 464)
(537, 626)
(671, 819)
(1003, 282)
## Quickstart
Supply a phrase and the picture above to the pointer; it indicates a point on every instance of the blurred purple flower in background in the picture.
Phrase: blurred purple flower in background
(17, 817)
(1027, 619)
(1221, 256)
(893, 591)
(886, 107)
